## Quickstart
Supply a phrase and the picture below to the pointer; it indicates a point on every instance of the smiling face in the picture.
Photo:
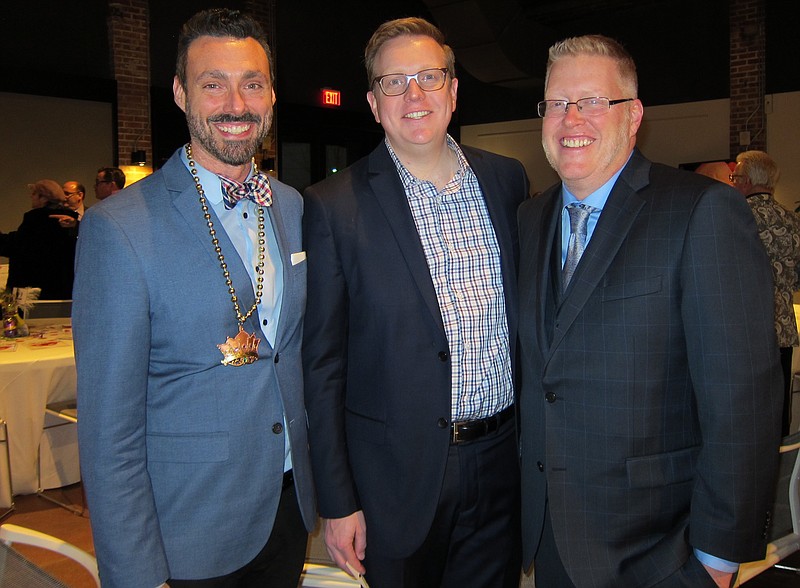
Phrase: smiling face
(415, 121)
(228, 102)
(587, 150)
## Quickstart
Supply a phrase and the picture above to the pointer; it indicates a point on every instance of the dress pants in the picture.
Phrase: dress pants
(474, 540)
(279, 564)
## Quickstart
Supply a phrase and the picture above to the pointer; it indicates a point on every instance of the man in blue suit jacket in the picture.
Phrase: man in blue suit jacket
(188, 318)
(650, 398)
(410, 337)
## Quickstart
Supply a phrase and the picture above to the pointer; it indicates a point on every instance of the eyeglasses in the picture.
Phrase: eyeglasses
(396, 84)
(593, 106)
(737, 178)
(98, 182)
(70, 194)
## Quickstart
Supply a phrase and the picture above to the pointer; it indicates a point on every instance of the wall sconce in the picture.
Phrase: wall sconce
(139, 157)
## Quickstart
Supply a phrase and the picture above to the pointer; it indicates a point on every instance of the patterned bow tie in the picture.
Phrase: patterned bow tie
(256, 189)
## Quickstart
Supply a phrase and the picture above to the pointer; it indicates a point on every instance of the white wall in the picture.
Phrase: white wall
(55, 138)
(671, 134)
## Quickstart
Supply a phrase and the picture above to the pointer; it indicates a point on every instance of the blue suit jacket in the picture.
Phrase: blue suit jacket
(375, 352)
(182, 457)
(651, 389)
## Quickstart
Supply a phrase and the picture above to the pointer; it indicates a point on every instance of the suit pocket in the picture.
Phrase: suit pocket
(632, 289)
(188, 448)
(365, 428)
(654, 471)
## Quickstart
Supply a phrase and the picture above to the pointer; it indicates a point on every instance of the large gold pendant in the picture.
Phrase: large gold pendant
(240, 350)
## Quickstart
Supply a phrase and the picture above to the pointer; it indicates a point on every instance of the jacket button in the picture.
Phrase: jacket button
(277, 357)
(443, 356)
(277, 428)
(443, 423)
(550, 397)
(540, 465)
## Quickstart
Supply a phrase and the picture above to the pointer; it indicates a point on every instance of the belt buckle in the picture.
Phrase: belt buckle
(454, 437)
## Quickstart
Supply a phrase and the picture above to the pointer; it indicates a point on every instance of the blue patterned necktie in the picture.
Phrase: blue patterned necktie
(578, 219)
(256, 188)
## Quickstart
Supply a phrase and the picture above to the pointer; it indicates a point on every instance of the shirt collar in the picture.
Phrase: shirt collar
(408, 179)
(599, 197)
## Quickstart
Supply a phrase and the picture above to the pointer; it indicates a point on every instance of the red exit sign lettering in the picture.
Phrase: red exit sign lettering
(331, 97)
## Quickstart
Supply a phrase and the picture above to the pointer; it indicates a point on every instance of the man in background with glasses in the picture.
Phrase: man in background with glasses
(651, 386)
(110, 180)
(410, 335)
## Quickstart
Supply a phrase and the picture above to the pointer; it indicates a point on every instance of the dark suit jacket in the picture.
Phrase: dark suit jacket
(182, 457)
(375, 352)
(41, 254)
(651, 390)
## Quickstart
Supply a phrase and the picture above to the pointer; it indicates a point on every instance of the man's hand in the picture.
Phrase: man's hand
(346, 541)
(65, 220)
(722, 579)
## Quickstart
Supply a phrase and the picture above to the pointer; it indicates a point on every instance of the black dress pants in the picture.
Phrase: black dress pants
(474, 540)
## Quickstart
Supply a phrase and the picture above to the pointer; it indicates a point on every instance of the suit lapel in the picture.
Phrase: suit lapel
(619, 213)
(391, 198)
(288, 302)
(186, 201)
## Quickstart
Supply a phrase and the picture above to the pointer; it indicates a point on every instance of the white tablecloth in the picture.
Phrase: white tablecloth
(34, 371)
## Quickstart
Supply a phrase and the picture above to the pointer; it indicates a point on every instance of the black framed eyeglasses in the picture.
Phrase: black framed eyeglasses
(98, 182)
(592, 106)
(395, 84)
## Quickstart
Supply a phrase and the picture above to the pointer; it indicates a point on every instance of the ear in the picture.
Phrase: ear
(454, 93)
(179, 95)
(637, 112)
(373, 105)
(274, 98)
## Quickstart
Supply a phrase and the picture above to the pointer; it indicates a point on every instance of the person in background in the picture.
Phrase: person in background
(716, 170)
(756, 176)
(188, 317)
(410, 336)
(651, 384)
(41, 254)
(75, 193)
(110, 180)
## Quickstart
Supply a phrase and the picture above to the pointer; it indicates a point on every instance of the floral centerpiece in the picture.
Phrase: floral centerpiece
(12, 300)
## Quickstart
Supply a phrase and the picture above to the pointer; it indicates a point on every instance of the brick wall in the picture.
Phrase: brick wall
(747, 75)
(129, 42)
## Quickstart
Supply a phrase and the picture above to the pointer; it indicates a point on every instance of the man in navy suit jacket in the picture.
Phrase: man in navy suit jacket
(188, 320)
(410, 337)
(650, 398)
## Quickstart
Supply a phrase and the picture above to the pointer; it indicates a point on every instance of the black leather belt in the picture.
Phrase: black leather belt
(464, 431)
(288, 480)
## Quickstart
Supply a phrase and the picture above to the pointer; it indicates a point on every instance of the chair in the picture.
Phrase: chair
(59, 414)
(10, 534)
(6, 491)
(788, 543)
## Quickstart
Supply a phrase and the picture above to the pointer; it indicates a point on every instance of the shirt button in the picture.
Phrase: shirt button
(443, 356)
(277, 428)
(540, 465)
(264, 322)
(443, 423)
(550, 397)
(244, 215)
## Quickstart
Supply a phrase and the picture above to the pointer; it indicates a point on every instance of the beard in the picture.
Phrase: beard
(229, 152)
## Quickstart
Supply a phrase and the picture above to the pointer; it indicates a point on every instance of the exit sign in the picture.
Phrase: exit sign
(331, 97)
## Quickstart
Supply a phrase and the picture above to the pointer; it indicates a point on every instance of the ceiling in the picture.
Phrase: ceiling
(680, 46)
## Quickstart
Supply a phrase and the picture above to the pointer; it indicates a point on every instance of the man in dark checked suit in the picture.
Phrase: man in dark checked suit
(651, 392)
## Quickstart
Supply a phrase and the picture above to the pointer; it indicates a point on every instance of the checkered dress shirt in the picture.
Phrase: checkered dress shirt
(463, 257)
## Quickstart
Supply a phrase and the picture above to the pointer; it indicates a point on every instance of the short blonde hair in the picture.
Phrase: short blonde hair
(600, 46)
(405, 27)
